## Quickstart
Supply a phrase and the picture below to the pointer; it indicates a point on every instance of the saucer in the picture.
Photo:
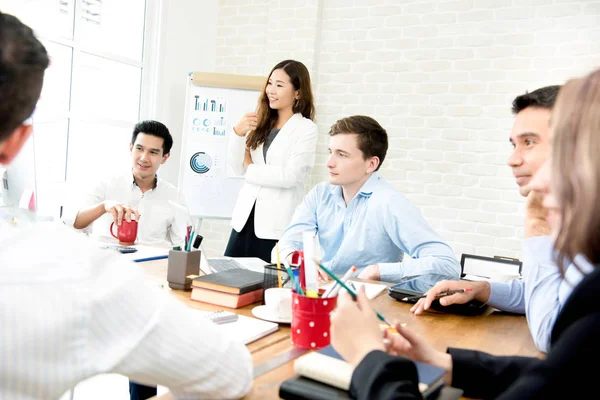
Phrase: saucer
(263, 312)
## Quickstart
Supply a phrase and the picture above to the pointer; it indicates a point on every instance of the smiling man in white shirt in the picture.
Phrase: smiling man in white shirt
(71, 311)
(139, 193)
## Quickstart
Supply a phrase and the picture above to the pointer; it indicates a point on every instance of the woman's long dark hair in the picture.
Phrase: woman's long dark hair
(267, 117)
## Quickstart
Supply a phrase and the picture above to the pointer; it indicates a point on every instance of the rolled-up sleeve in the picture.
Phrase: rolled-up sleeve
(424, 250)
(83, 199)
(304, 219)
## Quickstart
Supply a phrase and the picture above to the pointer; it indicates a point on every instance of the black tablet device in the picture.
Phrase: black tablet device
(418, 285)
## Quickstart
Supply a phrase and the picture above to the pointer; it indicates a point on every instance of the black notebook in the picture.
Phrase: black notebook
(300, 388)
(325, 375)
(236, 281)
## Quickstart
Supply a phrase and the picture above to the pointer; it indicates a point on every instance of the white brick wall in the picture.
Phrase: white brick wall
(438, 75)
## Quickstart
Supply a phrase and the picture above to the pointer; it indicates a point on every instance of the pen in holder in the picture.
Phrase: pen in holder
(297, 261)
(180, 265)
(311, 321)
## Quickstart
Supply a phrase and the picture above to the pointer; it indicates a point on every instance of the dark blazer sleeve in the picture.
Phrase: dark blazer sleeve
(568, 372)
(381, 376)
(482, 375)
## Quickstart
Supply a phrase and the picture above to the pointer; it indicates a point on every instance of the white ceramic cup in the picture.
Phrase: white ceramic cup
(279, 302)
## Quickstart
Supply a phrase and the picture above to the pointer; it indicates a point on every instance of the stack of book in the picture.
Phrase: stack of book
(232, 288)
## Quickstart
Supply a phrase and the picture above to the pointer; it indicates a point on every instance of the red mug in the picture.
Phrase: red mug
(127, 232)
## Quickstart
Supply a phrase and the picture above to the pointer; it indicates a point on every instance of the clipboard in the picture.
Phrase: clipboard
(471, 264)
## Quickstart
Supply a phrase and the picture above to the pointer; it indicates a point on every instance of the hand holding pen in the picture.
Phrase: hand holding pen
(344, 286)
(438, 295)
(354, 327)
(450, 292)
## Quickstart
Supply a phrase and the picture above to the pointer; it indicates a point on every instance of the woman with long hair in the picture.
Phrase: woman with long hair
(274, 148)
(570, 186)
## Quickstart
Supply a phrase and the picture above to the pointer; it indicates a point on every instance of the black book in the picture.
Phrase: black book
(300, 388)
(236, 281)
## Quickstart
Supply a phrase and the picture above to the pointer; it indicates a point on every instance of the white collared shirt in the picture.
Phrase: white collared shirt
(163, 211)
(69, 311)
(542, 292)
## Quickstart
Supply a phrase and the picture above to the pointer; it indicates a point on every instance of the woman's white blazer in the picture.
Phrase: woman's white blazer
(277, 184)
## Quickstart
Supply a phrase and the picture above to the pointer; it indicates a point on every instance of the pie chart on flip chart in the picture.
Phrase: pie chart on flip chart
(200, 162)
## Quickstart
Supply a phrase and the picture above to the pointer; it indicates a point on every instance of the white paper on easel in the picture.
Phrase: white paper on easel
(310, 267)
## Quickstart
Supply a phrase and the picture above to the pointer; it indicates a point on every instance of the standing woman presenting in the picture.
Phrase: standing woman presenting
(274, 148)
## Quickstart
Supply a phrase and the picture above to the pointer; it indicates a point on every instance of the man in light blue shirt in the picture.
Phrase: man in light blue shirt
(360, 219)
(542, 292)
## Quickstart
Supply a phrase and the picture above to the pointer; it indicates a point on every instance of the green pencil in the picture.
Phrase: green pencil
(342, 284)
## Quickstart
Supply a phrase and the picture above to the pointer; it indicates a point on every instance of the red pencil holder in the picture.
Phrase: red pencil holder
(311, 321)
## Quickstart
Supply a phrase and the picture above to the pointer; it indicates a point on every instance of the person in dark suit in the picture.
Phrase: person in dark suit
(569, 183)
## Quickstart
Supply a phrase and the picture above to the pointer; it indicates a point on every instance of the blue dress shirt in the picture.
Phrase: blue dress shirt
(378, 226)
(542, 293)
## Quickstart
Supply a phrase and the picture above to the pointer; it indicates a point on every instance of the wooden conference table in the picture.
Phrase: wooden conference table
(499, 334)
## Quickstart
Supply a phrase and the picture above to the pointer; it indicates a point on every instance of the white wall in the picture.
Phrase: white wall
(187, 43)
(438, 75)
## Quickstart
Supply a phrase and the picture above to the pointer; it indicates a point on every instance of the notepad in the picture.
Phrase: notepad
(322, 368)
(372, 290)
(327, 366)
(247, 329)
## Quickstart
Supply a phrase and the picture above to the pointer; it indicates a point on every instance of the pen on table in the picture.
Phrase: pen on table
(333, 290)
(342, 284)
(439, 295)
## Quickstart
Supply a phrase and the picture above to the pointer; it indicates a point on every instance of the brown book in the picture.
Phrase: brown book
(236, 281)
(226, 299)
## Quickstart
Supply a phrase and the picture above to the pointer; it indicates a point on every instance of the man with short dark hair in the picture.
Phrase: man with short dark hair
(529, 137)
(140, 191)
(70, 310)
(360, 218)
(139, 194)
(542, 292)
